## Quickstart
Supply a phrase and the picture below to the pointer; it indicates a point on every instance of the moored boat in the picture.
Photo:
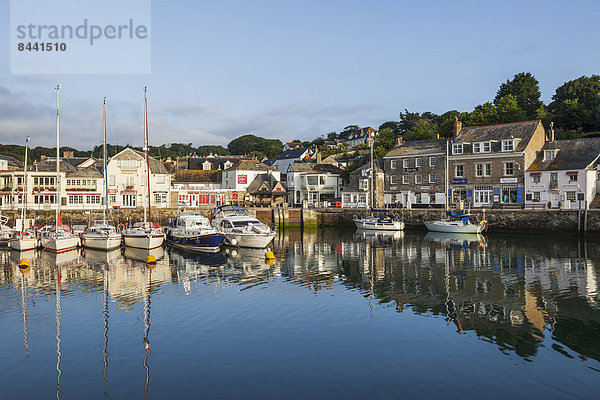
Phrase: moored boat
(458, 223)
(241, 229)
(101, 235)
(192, 231)
(380, 223)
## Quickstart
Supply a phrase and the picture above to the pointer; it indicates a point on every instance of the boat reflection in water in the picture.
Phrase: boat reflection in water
(70, 257)
(136, 254)
(456, 238)
(102, 256)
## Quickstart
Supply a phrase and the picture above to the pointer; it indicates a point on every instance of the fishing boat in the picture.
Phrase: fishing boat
(59, 238)
(192, 231)
(145, 234)
(241, 229)
(102, 235)
(377, 220)
(456, 222)
(25, 239)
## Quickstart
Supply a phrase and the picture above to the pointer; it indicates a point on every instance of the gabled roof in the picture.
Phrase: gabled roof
(418, 147)
(572, 154)
(265, 183)
(498, 132)
(292, 153)
(50, 165)
(378, 163)
(251, 165)
(89, 172)
(156, 166)
(305, 168)
(12, 162)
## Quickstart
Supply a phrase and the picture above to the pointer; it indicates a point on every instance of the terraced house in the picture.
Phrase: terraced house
(487, 164)
(415, 174)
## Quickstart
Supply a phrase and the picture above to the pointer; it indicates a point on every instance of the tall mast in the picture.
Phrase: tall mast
(104, 167)
(57, 160)
(24, 198)
(372, 187)
(447, 173)
(147, 155)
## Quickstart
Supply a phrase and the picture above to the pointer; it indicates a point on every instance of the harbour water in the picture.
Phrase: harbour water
(339, 314)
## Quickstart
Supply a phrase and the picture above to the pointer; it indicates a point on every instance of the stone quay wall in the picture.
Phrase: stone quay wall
(286, 217)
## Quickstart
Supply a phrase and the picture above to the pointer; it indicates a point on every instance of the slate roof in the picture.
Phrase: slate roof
(216, 162)
(418, 147)
(50, 165)
(89, 172)
(258, 181)
(12, 162)
(313, 167)
(156, 166)
(496, 133)
(572, 154)
(378, 167)
(251, 165)
(197, 176)
(292, 153)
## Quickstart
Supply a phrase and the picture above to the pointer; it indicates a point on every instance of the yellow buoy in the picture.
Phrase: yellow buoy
(269, 255)
(24, 263)
(270, 261)
(151, 261)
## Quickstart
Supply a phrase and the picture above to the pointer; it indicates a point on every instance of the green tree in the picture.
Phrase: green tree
(393, 125)
(576, 104)
(422, 129)
(525, 89)
(349, 131)
(483, 114)
(251, 144)
(508, 110)
(384, 142)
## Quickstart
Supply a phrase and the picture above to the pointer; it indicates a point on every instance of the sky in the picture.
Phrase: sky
(300, 69)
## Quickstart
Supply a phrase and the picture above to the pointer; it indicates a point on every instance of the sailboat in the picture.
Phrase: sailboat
(455, 222)
(102, 235)
(59, 238)
(145, 234)
(381, 222)
(25, 239)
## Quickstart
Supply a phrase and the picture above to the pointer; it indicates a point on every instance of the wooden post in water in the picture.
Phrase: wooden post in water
(585, 219)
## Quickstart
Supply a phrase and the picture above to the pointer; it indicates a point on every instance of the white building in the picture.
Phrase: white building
(127, 179)
(290, 156)
(314, 183)
(240, 175)
(564, 175)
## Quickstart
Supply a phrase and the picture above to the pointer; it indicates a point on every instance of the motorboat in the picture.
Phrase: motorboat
(380, 223)
(192, 231)
(457, 223)
(241, 229)
(101, 235)
(144, 235)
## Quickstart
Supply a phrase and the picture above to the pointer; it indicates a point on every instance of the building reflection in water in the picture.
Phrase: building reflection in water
(512, 291)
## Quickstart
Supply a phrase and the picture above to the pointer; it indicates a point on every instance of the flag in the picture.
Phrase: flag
(58, 221)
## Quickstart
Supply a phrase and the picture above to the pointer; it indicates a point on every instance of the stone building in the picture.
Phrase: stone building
(358, 192)
(487, 164)
(415, 174)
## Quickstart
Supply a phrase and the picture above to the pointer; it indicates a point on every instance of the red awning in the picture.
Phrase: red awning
(535, 173)
(572, 172)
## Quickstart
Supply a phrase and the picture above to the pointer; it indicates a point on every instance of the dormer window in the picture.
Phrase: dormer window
(549, 155)
(508, 145)
(482, 147)
(206, 165)
(457, 148)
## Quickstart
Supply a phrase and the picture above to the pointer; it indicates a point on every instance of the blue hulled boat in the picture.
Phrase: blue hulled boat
(192, 231)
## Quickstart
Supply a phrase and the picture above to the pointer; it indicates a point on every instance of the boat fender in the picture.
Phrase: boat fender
(233, 242)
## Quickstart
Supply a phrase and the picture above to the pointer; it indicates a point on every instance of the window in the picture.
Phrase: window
(431, 178)
(160, 197)
(486, 147)
(508, 145)
(393, 180)
(509, 168)
(549, 155)
(417, 162)
(405, 163)
(459, 171)
(457, 148)
(535, 179)
(432, 161)
(76, 199)
(405, 179)
(418, 179)
(92, 199)
(476, 147)
(571, 196)
(130, 180)
(553, 180)
(487, 169)
(111, 180)
(536, 196)
(129, 200)
(129, 165)
(112, 198)
(478, 169)
(393, 164)
(573, 178)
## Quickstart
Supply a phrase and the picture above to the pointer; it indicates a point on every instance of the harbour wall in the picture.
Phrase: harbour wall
(286, 217)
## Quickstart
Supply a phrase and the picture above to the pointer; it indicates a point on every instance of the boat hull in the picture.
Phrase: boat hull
(453, 227)
(148, 241)
(60, 245)
(375, 225)
(23, 244)
(255, 241)
(211, 242)
(98, 242)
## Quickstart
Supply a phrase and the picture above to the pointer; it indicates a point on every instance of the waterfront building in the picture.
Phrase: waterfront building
(313, 184)
(564, 174)
(239, 176)
(266, 190)
(127, 179)
(288, 157)
(357, 193)
(415, 172)
(487, 164)
(8, 163)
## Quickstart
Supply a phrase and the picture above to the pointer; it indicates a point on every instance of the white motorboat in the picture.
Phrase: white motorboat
(458, 223)
(147, 234)
(241, 229)
(101, 235)
(192, 231)
(58, 239)
(380, 223)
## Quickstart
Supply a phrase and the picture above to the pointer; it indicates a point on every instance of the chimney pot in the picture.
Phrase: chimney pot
(457, 126)
(398, 140)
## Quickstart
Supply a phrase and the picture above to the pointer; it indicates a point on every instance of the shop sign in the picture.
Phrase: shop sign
(508, 180)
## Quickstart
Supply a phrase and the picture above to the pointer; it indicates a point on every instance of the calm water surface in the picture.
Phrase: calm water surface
(340, 314)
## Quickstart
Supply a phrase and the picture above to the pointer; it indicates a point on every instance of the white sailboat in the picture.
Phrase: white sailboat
(59, 238)
(102, 235)
(382, 222)
(25, 239)
(455, 223)
(146, 234)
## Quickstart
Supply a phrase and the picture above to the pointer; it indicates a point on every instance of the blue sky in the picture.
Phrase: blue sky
(300, 69)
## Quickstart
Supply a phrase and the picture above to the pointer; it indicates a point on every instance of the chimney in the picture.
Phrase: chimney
(457, 126)
(68, 154)
(551, 133)
(318, 157)
(398, 140)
